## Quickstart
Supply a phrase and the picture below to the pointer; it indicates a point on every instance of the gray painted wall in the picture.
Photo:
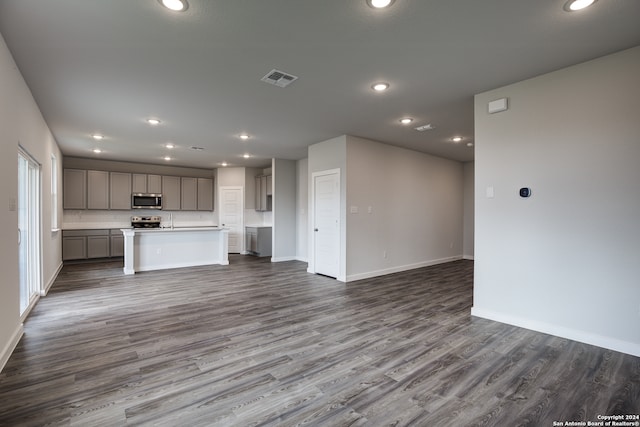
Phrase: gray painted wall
(21, 123)
(302, 213)
(284, 210)
(404, 209)
(468, 220)
(565, 261)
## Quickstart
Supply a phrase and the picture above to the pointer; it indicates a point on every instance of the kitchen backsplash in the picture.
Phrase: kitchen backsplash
(79, 219)
(122, 219)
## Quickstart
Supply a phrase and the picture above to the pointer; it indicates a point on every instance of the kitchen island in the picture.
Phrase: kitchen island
(148, 249)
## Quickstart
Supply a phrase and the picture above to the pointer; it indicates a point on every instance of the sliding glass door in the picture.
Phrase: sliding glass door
(28, 229)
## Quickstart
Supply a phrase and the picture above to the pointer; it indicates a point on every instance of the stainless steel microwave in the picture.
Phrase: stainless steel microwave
(146, 201)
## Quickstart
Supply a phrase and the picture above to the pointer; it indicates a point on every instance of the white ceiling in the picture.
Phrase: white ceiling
(107, 65)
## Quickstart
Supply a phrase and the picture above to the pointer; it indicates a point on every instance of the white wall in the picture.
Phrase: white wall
(284, 210)
(302, 203)
(566, 260)
(404, 209)
(468, 220)
(21, 123)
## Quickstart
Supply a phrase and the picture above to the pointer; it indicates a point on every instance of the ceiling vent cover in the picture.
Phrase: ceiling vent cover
(425, 127)
(279, 78)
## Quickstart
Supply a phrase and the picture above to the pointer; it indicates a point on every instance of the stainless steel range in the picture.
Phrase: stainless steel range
(152, 221)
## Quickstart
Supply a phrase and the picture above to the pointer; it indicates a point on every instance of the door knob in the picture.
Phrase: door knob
(315, 229)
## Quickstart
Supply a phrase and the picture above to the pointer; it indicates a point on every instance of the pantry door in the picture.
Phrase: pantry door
(231, 216)
(326, 223)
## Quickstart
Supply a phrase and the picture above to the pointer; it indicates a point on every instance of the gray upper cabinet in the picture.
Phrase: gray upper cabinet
(143, 183)
(189, 194)
(139, 183)
(263, 192)
(97, 190)
(154, 184)
(120, 193)
(205, 194)
(74, 189)
(171, 193)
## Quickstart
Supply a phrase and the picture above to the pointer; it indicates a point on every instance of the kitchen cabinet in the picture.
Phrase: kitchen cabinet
(74, 247)
(269, 186)
(87, 244)
(97, 190)
(170, 193)
(120, 190)
(116, 243)
(189, 194)
(258, 240)
(74, 188)
(205, 194)
(263, 193)
(143, 183)
(98, 246)
(154, 184)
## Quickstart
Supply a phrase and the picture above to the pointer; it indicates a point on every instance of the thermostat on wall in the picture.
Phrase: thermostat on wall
(525, 192)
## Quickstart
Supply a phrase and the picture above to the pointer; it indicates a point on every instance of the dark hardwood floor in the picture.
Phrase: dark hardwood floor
(256, 343)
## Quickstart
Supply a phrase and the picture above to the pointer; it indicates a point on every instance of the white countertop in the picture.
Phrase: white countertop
(174, 229)
(258, 226)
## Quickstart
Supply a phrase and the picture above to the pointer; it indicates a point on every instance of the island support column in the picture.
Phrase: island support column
(129, 267)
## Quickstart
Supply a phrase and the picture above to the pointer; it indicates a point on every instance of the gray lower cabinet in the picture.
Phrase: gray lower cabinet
(74, 247)
(258, 240)
(88, 244)
(98, 246)
(116, 243)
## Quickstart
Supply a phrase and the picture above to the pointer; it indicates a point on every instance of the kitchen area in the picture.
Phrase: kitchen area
(157, 217)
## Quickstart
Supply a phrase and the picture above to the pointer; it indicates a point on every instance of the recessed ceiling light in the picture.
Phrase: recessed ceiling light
(574, 5)
(175, 5)
(406, 120)
(379, 4)
(244, 136)
(246, 156)
(153, 122)
(97, 136)
(456, 139)
(380, 87)
(97, 150)
(224, 164)
(469, 144)
(167, 158)
(170, 146)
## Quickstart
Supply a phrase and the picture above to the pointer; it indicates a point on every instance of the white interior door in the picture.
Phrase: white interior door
(326, 223)
(231, 216)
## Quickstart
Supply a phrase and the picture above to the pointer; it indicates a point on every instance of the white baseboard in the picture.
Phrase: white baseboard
(469, 257)
(53, 278)
(302, 259)
(11, 345)
(283, 258)
(560, 331)
(398, 269)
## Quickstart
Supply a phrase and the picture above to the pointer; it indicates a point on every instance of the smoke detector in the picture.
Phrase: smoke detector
(279, 78)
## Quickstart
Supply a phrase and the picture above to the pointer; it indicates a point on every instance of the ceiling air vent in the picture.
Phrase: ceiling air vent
(425, 127)
(279, 78)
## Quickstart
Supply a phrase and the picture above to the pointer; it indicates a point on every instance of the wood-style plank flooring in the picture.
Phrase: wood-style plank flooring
(262, 344)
